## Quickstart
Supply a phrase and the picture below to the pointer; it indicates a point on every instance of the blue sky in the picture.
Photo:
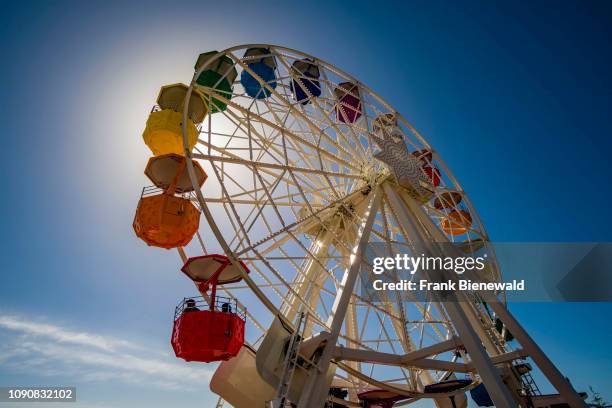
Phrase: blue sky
(516, 98)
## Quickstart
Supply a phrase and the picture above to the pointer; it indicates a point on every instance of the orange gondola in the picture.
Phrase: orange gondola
(164, 220)
(163, 170)
(457, 222)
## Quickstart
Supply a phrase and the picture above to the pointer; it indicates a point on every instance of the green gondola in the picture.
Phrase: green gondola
(218, 77)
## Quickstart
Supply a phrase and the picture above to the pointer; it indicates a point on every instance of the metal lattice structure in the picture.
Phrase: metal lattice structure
(299, 185)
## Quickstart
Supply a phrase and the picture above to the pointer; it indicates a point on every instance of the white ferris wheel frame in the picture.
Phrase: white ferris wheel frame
(481, 362)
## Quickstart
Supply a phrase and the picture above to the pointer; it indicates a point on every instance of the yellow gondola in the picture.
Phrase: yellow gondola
(164, 133)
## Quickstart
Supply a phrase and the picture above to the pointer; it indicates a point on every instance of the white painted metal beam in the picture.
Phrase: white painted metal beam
(471, 341)
(552, 373)
(317, 390)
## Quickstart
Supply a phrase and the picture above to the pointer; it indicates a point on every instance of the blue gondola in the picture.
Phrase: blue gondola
(481, 396)
(305, 83)
(263, 65)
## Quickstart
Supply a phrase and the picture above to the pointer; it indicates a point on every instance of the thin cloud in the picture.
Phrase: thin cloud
(50, 350)
(60, 334)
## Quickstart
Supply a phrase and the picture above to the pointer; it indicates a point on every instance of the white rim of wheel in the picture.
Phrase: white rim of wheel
(289, 179)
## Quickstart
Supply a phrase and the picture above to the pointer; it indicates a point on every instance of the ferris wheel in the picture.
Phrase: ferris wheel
(301, 171)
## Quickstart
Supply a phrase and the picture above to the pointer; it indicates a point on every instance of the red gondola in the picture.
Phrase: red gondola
(433, 174)
(209, 328)
(209, 335)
